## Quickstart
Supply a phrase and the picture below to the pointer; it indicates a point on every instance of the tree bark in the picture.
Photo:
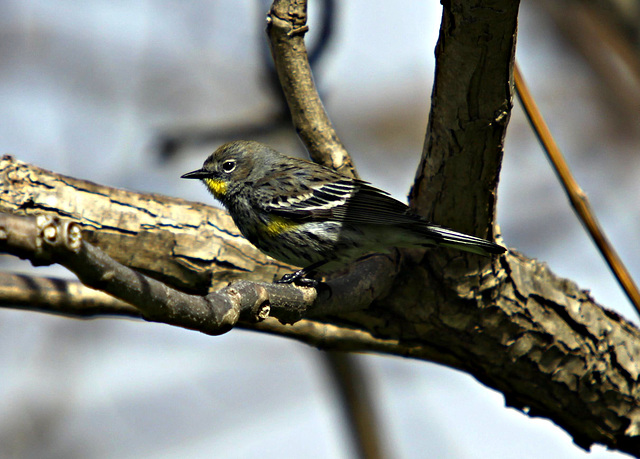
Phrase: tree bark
(509, 322)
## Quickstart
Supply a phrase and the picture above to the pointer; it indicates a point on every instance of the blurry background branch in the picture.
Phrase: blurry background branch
(171, 140)
(607, 35)
(577, 197)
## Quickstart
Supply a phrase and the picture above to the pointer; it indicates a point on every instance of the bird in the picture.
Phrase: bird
(313, 217)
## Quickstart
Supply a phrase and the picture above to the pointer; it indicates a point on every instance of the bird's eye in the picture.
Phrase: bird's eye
(229, 165)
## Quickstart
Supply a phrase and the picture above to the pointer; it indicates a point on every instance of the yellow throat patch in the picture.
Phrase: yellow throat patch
(218, 188)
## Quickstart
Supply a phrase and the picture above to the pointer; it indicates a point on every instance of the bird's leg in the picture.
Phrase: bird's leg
(300, 278)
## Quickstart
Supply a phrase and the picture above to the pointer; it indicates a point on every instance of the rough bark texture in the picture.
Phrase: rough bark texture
(179, 242)
(508, 321)
(286, 27)
(457, 180)
(517, 328)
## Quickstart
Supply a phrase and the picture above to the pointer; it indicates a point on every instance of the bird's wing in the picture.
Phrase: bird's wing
(358, 203)
(315, 201)
(349, 201)
(372, 206)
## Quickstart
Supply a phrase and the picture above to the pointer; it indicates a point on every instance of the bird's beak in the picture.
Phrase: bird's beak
(199, 174)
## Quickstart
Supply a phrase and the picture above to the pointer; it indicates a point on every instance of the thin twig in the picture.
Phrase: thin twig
(578, 198)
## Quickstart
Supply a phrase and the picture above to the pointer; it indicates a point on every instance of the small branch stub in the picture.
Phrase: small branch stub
(263, 311)
(56, 232)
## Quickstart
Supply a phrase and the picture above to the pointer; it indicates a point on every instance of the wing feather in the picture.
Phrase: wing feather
(348, 201)
(358, 203)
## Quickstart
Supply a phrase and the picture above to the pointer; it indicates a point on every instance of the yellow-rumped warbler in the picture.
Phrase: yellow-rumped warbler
(308, 215)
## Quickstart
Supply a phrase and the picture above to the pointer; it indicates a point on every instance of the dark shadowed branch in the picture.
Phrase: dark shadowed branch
(46, 240)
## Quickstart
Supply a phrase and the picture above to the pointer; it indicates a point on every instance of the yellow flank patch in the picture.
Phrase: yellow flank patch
(217, 187)
(278, 225)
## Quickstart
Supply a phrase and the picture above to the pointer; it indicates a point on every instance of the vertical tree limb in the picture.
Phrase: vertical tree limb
(471, 104)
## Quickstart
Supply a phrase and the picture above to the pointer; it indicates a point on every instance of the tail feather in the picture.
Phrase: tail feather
(449, 238)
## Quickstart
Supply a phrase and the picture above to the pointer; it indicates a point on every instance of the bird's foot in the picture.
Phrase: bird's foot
(298, 278)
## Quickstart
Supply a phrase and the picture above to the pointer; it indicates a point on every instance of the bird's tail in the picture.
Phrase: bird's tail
(449, 238)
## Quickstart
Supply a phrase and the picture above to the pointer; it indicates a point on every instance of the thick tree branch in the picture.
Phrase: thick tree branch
(539, 339)
(471, 104)
(47, 240)
(191, 246)
(179, 241)
(511, 323)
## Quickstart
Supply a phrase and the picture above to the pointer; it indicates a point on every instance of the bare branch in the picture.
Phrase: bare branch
(46, 240)
(71, 298)
(188, 245)
(286, 26)
(60, 296)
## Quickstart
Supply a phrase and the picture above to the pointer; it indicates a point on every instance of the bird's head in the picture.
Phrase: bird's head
(230, 163)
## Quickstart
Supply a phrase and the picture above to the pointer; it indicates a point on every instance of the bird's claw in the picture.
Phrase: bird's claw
(298, 279)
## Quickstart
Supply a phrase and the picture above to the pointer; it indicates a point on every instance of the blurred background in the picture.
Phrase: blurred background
(133, 94)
